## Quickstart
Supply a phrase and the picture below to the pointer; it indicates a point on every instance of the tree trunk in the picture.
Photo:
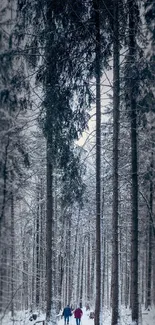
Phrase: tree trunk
(116, 100)
(12, 252)
(82, 277)
(79, 268)
(92, 271)
(61, 264)
(153, 284)
(75, 255)
(33, 266)
(37, 250)
(104, 270)
(149, 271)
(4, 185)
(42, 244)
(69, 260)
(98, 163)
(134, 222)
(50, 309)
(88, 269)
(126, 269)
(121, 265)
(107, 271)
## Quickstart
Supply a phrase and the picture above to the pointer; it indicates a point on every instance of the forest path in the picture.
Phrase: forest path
(85, 320)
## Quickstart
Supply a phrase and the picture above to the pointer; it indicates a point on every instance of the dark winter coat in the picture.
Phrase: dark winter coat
(78, 313)
(67, 312)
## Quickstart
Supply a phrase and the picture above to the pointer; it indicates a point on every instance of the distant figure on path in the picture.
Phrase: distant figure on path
(67, 313)
(78, 314)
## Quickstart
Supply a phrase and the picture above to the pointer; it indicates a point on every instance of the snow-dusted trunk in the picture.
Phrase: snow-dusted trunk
(153, 284)
(37, 249)
(69, 260)
(108, 302)
(104, 270)
(42, 244)
(79, 274)
(92, 271)
(4, 189)
(88, 268)
(12, 252)
(75, 256)
(134, 165)
(50, 308)
(33, 267)
(150, 242)
(121, 266)
(25, 280)
(126, 293)
(61, 265)
(98, 161)
(61, 272)
(116, 90)
(82, 277)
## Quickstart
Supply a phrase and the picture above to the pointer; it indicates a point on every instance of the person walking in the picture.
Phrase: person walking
(67, 313)
(78, 314)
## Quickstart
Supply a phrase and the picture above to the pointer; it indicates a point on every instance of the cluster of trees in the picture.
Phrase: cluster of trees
(77, 222)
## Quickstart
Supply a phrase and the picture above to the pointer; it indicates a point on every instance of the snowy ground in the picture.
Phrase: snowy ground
(22, 318)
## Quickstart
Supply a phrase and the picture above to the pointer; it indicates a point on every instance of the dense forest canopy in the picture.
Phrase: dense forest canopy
(77, 222)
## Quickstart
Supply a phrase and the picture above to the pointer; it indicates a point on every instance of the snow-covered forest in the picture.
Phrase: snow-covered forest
(77, 135)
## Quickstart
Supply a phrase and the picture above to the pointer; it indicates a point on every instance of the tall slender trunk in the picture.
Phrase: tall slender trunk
(104, 270)
(121, 268)
(134, 167)
(66, 282)
(126, 269)
(116, 101)
(50, 160)
(49, 239)
(54, 236)
(149, 271)
(88, 268)
(33, 266)
(12, 252)
(41, 244)
(103, 245)
(79, 268)
(107, 273)
(153, 280)
(61, 265)
(4, 185)
(98, 162)
(92, 271)
(37, 249)
(69, 260)
(75, 252)
(82, 278)
(61, 273)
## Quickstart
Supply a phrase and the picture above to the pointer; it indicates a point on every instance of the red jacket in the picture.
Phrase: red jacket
(78, 313)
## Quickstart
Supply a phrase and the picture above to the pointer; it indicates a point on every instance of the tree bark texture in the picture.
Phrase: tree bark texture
(98, 162)
(37, 250)
(116, 101)
(4, 185)
(82, 278)
(149, 264)
(88, 268)
(134, 166)
(49, 233)
(69, 260)
(12, 251)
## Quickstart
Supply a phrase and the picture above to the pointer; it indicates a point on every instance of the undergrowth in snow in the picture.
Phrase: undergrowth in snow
(147, 317)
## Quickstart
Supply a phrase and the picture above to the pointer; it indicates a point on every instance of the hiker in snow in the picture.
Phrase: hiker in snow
(66, 313)
(78, 314)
